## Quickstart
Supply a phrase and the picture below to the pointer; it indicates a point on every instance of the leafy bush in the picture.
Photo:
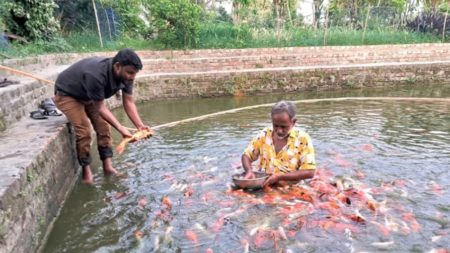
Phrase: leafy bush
(31, 19)
(223, 16)
(176, 21)
(430, 22)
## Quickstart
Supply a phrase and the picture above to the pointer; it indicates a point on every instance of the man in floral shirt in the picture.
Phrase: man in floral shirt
(284, 152)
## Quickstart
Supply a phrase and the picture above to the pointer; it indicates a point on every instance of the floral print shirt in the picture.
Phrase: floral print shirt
(298, 154)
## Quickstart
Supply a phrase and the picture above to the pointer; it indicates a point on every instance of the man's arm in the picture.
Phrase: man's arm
(131, 110)
(291, 176)
(110, 118)
(247, 164)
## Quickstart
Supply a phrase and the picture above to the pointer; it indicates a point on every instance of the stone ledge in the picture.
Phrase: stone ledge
(38, 169)
(208, 84)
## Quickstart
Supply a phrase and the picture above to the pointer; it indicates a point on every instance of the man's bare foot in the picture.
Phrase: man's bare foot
(88, 178)
(108, 169)
(88, 181)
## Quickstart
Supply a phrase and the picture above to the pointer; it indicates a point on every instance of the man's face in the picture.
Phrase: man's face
(282, 124)
(125, 74)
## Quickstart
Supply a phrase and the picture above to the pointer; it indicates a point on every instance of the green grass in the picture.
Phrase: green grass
(225, 35)
(228, 36)
(87, 42)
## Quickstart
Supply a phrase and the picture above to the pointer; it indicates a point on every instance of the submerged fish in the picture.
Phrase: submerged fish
(192, 236)
(138, 234)
(139, 135)
(383, 245)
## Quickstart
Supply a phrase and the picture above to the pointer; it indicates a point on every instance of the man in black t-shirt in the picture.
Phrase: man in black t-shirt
(80, 91)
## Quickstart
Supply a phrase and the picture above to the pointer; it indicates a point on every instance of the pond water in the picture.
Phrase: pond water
(382, 182)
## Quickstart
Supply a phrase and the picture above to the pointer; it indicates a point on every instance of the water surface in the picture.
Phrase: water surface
(397, 151)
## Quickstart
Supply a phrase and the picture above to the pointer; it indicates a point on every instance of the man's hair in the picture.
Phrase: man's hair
(284, 106)
(128, 57)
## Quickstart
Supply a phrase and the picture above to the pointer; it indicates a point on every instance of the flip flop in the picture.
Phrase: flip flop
(49, 107)
(5, 82)
(37, 115)
(54, 112)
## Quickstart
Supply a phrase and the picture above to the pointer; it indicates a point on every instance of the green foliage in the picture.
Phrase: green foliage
(75, 15)
(223, 16)
(176, 21)
(31, 19)
(224, 35)
(133, 15)
(399, 4)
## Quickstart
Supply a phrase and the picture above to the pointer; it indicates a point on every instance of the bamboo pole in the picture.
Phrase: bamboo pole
(98, 24)
(445, 23)
(16, 71)
(326, 26)
(107, 20)
(289, 13)
(365, 23)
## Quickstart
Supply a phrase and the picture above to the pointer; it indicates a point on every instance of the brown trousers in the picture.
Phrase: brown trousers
(81, 114)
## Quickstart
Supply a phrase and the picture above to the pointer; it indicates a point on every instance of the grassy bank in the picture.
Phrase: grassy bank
(225, 35)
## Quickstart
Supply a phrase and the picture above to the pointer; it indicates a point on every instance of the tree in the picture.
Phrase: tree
(176, 21)
(237, 4)
(31, 19)
(318, 6)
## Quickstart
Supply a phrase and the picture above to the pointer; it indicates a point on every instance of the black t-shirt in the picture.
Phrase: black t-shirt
(90, 79)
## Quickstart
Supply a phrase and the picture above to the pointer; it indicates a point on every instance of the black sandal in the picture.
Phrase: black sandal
(37, 115)
(49, 108)
(54, 112)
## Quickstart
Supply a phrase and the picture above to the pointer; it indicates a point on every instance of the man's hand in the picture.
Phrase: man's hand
(249, 175)
(148, 129)
(272, 179)
(124, 132)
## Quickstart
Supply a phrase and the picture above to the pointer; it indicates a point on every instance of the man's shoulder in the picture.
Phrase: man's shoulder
(93, 60)
(265, 131)
(299, 133)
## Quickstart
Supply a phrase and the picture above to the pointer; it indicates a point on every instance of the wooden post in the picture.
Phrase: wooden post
(107, 20)
(98, 24)
(365, 24)
(445, 23)
(326, 26)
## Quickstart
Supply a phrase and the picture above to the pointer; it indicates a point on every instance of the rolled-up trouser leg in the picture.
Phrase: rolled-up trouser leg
(75, 113)
(103, 131)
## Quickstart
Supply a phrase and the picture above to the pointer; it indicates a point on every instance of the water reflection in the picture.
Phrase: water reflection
(175, 197)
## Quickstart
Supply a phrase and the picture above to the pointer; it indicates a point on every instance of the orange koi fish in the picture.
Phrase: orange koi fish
(367, 147)
(302, 193)
(341, 161)
(245, 245)
(218, 224)
(189, 191)
(383, 229)
(409, 217)
(142, 202)
(139, 135)
(192, 236)
(138, 234)
(292, 233)
(439, 250)
(436, 188)
(359, 174)
(239, 193)
(208, 197)
(120, 195)
(166, 202)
